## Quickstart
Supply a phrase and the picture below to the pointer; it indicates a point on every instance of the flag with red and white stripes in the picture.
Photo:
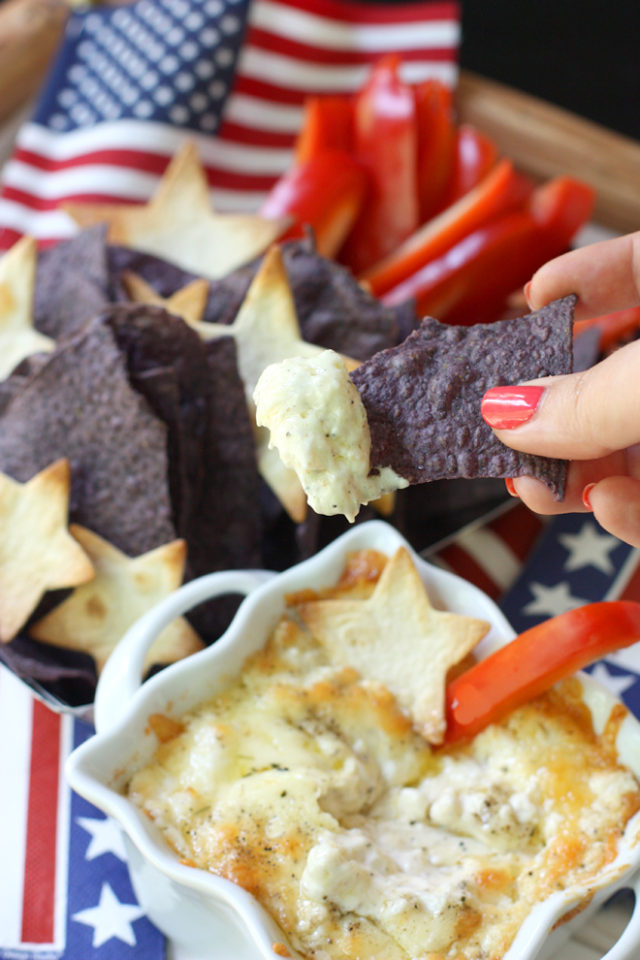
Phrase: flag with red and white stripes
(64, 886)
(132, 82)
(536, 568)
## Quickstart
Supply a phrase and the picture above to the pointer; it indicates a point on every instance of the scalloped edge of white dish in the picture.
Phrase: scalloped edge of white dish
(208, 915)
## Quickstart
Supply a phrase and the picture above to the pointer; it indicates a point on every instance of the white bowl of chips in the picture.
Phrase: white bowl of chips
(207, 915)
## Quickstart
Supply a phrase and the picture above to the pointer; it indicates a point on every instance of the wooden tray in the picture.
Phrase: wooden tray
(545, 141)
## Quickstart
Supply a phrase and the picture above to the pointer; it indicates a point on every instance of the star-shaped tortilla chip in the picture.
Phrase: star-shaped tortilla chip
(188, 302)
(18, 338)
(37, 553)
(97, 615)
(266, 327)
(266, 330)
(397, 638)
(179, 224)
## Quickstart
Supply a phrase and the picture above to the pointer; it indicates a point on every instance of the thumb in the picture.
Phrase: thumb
(580, 416)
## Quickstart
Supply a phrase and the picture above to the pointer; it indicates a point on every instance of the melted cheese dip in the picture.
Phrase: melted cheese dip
(318, 424)
(309, 787)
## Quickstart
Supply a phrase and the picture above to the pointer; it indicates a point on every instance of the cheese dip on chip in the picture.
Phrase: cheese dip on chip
(305, 782)
(411, 413)
(318, 424)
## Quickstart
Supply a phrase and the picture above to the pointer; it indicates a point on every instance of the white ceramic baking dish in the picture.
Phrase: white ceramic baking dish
(207, 916)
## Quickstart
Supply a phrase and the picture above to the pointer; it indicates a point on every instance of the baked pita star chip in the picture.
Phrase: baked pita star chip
(179, 224)
(397, 638)
(37, 553)
(266, 327)
(18, 337)
(188, 303)
(266, 330)
(97, 615)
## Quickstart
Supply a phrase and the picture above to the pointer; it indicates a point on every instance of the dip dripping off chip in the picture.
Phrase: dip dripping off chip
(422, 398)
(266, 330)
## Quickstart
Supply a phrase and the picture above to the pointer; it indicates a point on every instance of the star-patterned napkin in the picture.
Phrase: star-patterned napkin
(575, 562)
(535, 569)
(64, 884)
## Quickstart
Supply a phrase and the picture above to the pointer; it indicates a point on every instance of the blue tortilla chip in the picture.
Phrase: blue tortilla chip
(423, 397)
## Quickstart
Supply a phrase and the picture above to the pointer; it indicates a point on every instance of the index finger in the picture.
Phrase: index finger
(604, 275)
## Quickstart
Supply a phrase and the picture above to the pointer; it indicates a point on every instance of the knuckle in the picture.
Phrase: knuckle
(580, 413)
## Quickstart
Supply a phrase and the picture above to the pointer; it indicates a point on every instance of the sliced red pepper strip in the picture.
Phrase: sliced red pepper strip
(471, 282)
(501, 191)
(475, 155)
(615, 328)
(385, 143)
(327, 125)
(326, 193)
(562, 205)
(535, 660)
(436, 145)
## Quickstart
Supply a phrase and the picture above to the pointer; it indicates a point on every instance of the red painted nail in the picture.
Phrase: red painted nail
(511, 487)
(527, 291)
(508, 407)
(586, 496)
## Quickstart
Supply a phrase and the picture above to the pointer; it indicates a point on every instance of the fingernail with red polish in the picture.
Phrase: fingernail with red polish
(586, 496)
(511, 487)
(527, 292)
(508, 407)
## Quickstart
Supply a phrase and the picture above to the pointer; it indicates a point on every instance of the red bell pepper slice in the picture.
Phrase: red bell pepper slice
(562, 206)
(471, 282)
(326, 193)
(501, 191)
(327, 125)
(437, 137)
(475, 155)
(385, 143)
(615, 328)
(536, 659)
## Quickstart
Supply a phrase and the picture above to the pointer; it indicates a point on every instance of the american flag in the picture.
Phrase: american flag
(64, 886)
(131, 83)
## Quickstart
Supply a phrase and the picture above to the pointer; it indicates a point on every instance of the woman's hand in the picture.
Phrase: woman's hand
(590, 418)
